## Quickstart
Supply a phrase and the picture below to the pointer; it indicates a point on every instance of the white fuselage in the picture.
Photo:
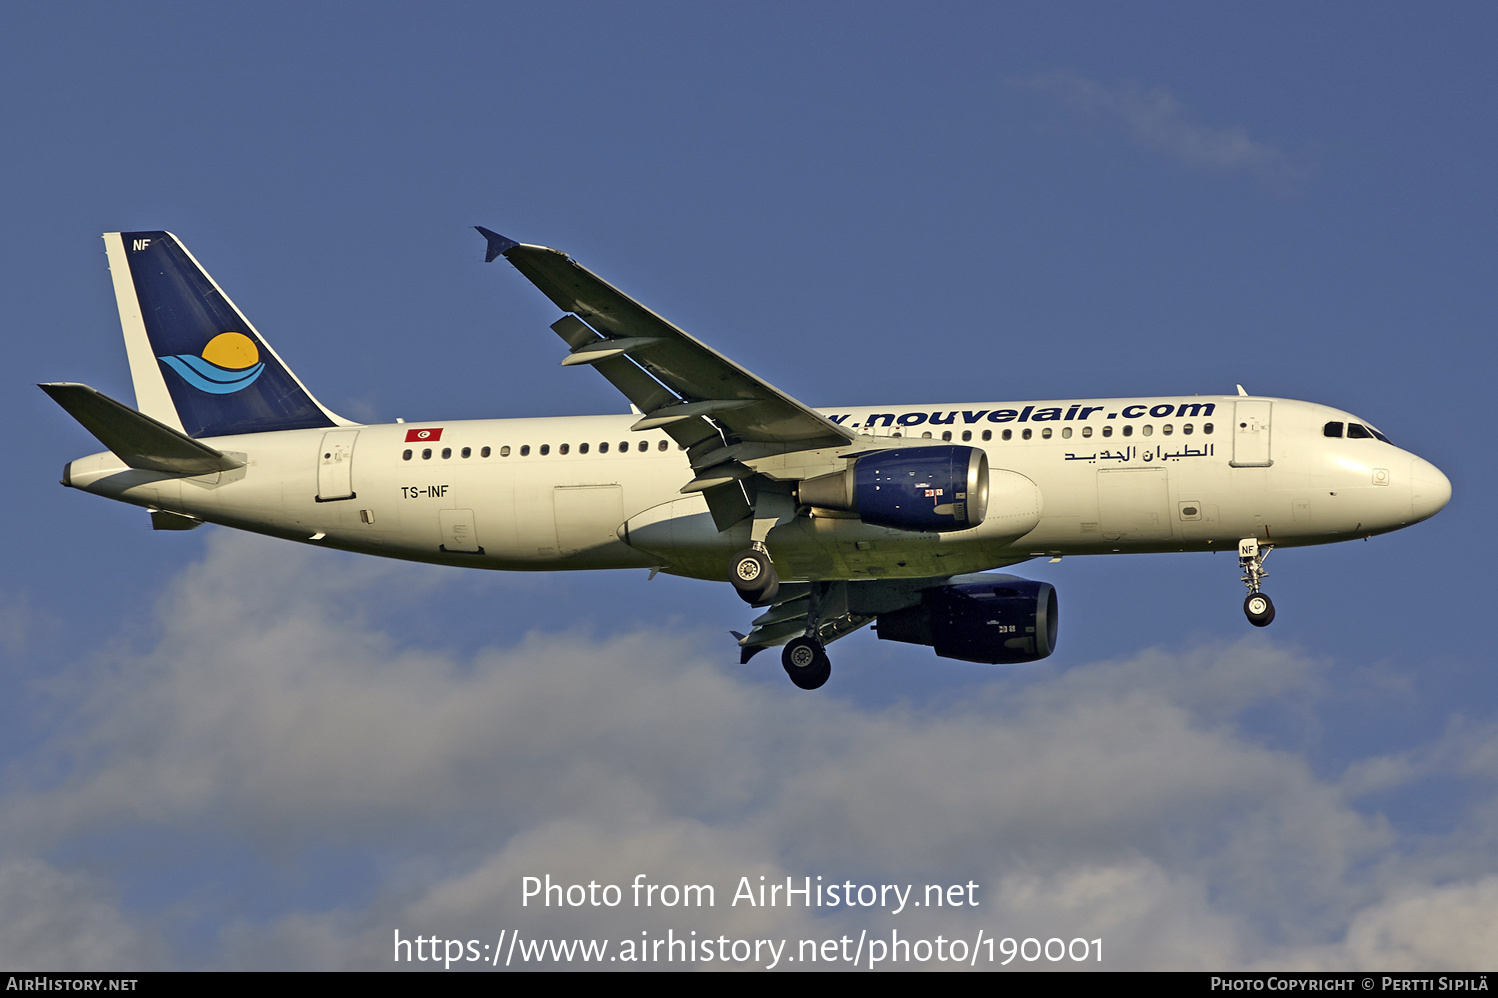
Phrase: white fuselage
(1073, 477)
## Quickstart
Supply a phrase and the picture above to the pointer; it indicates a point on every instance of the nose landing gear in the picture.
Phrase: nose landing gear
(1257, 607)
(1259, 610)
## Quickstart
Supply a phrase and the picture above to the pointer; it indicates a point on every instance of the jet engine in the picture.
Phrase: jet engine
(1002, 621)
(910, 488)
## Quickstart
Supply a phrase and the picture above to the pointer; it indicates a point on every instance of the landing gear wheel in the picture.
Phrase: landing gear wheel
(753, 576)
(806, 663)
(1258, 609)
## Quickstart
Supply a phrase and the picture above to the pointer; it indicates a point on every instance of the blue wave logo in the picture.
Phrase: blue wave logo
(229, 363)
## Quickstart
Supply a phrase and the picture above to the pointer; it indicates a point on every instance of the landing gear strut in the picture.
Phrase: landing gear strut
(753, 575)
(1257, 607)
(806, 662)
(805, 617)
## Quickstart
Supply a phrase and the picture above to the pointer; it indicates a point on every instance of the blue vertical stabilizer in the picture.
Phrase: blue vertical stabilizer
(221, 377)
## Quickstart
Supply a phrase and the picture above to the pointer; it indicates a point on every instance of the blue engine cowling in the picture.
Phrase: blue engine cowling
(938, 488)
(999, 622)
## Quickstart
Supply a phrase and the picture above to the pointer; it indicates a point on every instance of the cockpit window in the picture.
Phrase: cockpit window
(1355, 431)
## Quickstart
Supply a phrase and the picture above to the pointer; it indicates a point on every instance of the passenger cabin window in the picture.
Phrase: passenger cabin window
(1008, 434)
(1186, 429)
(466, 452)
(967, 435)
(987, 435)
(447, 452)
(603, 448)
(426, 453)
(562, 449)
(1086, 431)
(1128, 430)
(1046, 433)
(405, 455)
(503, 451)
(644, 446)
(525, 450)
(1027, 433)
(1066, 433)
(1107, 431)
(545, 449)
(1206, 427)
(582, 448)
(663, 445)
(1333, 429)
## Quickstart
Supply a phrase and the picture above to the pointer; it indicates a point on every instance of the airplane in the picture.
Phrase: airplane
(897, 516)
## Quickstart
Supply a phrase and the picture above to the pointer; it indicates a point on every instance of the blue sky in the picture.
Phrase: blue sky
(226, 751)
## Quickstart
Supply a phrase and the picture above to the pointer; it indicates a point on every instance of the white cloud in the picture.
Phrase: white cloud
(22, 625)
(274, 722)
(1155, 119)
(1419, 928)
(58, 919)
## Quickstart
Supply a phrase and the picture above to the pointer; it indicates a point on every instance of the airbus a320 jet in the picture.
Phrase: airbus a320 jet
(826, 520)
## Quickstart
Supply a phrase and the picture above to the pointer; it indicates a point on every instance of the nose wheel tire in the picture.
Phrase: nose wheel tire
(753, 576)
(806, 663)
(1258, 609)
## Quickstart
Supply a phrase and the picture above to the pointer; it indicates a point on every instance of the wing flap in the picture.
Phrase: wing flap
(135, 438)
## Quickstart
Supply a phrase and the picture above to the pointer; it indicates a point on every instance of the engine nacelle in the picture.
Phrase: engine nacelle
(910, 488)
(1000, 622)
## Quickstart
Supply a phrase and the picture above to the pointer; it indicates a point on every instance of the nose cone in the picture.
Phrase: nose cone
(1430, 490)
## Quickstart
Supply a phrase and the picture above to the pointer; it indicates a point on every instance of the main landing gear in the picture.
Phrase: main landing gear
(806, 662)
(1257, 607)
(804, 656)
(753, 575)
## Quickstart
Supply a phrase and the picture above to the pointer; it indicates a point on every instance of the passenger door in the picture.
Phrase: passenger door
(1251, 434)
(335, 466)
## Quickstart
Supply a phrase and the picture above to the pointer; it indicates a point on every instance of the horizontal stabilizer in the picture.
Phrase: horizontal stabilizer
(135, 438)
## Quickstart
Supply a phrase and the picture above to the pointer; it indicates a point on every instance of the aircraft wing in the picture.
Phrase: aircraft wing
(688, 382)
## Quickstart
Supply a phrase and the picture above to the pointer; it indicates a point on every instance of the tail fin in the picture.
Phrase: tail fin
(197, 363)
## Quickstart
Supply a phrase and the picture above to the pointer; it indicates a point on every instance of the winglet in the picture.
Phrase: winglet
(498, 244)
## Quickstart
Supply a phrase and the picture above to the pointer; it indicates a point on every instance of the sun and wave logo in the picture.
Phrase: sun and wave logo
(229, 363)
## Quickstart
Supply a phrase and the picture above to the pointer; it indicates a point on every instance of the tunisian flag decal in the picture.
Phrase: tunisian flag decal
(423, 436)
